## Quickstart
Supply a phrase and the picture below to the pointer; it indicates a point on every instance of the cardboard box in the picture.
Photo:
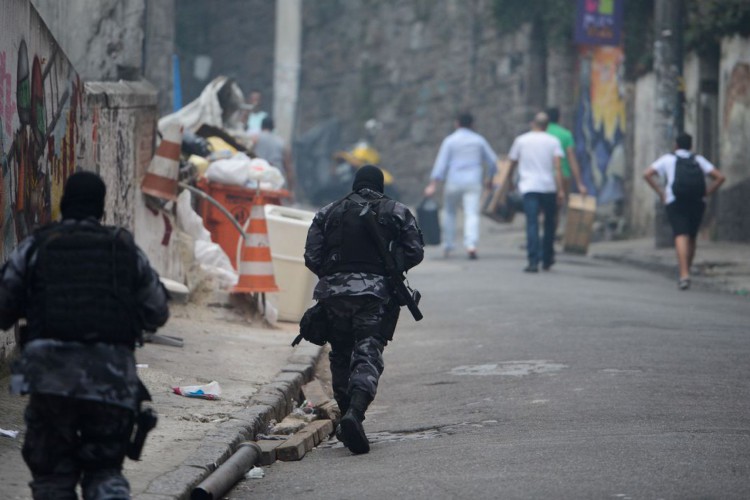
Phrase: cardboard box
(579, 224)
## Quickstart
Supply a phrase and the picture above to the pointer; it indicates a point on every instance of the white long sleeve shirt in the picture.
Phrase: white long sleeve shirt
(461, 159)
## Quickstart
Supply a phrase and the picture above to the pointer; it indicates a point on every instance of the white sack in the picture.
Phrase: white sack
(210, 256)
(234, 171)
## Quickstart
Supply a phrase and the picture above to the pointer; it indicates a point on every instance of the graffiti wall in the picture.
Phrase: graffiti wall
(41, 108)
(600, 122)
(41, 101)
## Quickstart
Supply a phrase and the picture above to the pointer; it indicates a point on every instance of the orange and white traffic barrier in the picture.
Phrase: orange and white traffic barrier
(254, 263)
(163, 171)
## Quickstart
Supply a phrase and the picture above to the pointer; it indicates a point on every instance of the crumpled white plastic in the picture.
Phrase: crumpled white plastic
(210, 256)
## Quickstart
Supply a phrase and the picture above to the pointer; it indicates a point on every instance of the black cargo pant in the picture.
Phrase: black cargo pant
(68, 440)
(361, 326)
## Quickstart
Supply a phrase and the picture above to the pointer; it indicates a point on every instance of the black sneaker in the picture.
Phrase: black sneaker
(353, 434)
(531, 269)
(547, 267)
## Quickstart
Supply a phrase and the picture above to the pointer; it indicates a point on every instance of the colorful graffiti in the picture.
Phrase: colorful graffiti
(40, 115)
(600, 122)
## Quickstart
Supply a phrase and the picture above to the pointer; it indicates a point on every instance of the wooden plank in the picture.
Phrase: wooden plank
(309, 438)
(292, 449)
(268, 450)
(324, 429)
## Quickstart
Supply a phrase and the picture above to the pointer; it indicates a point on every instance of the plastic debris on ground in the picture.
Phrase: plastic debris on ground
(306, 408)
(207, 391)
(305, 412)
(9, 433)
(270, 313)
(255, 473)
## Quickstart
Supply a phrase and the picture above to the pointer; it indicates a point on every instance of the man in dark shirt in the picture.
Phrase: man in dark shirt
(361, 310)
(86, 292)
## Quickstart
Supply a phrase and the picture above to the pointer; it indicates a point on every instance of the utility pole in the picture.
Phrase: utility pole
(669, 116)
(287, 55)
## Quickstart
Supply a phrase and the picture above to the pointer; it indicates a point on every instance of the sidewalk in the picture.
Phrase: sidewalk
(259, 374)
(718, 266)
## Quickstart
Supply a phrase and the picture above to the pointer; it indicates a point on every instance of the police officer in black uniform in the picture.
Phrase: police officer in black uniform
(358, 300)
(86, 292)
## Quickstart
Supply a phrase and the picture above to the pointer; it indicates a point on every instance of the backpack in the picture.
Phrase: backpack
(689, 179)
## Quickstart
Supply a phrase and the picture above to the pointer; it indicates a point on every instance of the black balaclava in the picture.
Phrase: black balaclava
(368, 176)
(83, 196)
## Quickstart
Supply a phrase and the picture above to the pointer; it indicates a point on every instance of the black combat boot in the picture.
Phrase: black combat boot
(352, 432)
(343, 404)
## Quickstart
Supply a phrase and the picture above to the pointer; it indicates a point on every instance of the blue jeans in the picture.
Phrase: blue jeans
(532, 203)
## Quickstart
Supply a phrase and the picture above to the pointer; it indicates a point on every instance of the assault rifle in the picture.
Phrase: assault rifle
(403, 294)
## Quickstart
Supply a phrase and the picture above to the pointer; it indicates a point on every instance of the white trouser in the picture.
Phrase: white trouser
(469, 196)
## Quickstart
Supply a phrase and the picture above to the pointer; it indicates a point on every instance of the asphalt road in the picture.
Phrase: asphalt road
(593, 380)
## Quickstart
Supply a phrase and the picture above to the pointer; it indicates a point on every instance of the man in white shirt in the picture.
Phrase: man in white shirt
(460, 165)
(684, 196)
(537, 155)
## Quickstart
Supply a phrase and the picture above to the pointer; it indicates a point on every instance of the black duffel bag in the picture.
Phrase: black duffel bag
(429, 221)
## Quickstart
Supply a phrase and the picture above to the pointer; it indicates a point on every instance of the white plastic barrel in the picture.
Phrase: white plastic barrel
(287, 232)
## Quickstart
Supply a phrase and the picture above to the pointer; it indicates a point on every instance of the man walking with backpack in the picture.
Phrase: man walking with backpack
(684, 196)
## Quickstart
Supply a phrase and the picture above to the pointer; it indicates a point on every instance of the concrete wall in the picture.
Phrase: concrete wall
(733, 216)
(120, 119)
(413, 66)
(109, 40)
(104, 38)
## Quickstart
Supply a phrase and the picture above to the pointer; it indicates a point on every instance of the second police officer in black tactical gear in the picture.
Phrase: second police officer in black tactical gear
(356, 295)
(86, 292)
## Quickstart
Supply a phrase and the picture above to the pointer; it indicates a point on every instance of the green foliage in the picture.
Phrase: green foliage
(708, 21)
(554, 17)
(638, 37)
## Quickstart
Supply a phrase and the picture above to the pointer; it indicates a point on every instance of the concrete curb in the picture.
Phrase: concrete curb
(272, 401)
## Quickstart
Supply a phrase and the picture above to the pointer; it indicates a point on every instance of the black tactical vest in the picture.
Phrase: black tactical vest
(82, 285)
(349, 245)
